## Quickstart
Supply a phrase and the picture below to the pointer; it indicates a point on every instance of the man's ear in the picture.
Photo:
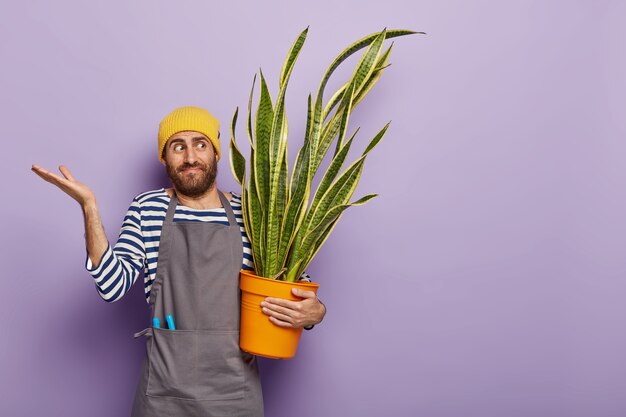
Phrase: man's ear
(213, 147)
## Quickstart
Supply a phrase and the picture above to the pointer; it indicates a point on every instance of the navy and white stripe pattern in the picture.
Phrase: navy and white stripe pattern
(137, 247)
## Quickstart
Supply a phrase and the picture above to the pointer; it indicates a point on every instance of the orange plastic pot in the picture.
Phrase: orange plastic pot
(258, 335)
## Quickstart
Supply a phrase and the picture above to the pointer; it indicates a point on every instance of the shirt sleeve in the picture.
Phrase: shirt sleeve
(306, 277)
(121, 265)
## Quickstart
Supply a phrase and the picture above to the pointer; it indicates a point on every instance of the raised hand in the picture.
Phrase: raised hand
(95, 238)
(77, 190)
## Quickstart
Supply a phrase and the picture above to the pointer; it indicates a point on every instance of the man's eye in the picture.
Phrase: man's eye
(202, 145)
(178, 148)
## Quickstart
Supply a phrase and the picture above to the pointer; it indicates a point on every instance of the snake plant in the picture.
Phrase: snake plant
(286, 220)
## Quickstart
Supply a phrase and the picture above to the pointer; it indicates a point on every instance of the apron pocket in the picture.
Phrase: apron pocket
(195, 364)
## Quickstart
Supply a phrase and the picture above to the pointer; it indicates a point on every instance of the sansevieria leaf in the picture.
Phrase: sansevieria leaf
(342, 187)
(264, 117)
(292, 55)
(278, 161)
(254, 211)
(350, 50)
(237, 161)
(250, 135)
(321, 233)
(332, 172)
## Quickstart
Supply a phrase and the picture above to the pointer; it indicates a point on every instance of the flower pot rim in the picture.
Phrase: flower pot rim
(252, 275)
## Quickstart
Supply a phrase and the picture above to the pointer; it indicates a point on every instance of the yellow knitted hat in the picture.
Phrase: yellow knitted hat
(189, 118)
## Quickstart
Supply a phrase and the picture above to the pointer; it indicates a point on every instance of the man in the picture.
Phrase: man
(195, 234)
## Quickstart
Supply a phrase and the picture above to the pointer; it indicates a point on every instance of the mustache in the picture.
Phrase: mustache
(194, 165)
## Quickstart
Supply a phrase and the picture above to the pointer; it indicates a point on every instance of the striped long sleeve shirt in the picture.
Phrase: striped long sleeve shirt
(137, 247)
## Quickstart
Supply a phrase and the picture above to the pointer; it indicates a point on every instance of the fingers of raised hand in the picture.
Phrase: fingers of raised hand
(39, 171)
(66, 172)
(47, 175)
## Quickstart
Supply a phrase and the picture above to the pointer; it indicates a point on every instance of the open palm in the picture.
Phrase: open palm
(75, 189)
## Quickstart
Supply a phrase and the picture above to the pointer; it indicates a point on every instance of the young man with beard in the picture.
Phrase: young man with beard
(195, 234)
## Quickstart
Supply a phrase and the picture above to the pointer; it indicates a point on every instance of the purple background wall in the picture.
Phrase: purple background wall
(489, 277)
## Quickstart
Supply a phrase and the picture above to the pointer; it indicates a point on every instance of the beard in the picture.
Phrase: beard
(192, 184)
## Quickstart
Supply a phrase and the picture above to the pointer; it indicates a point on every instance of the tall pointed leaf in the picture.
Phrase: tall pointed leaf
(366, 65)
(250, 136)
(318, 236)
(264, 117)
(237, 161)
(364, 69)
(345, 54)
(361, 43)
(335, 99)
(331, 172)
(278, 147)
(347, 109)
(296, 208)
(292, 55)
(279, 139)
(256, 222)
(282, 191)
(339, 191)
(376, 139)
(381, 65)
(342, 187)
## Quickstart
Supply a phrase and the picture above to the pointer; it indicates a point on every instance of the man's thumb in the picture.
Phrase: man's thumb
(302, 293)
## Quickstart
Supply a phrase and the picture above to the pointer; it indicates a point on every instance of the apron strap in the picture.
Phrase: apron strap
(229, 210)
(171, 208)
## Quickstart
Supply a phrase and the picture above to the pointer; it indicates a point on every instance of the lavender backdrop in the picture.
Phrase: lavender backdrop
(489, 277)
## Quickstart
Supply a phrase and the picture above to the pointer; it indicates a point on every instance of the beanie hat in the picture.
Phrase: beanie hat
(189, 118)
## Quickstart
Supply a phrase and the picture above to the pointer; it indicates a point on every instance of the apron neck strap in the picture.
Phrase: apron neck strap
(171, 208)
(229, 210)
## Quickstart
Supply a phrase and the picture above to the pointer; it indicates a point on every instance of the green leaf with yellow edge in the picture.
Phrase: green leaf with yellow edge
(364, 69)
(237, 161)
(255, 213)
(264, 117)
(356, 46)
(331, 172)
(249, 126)
(324, 229)
(343, 188)
(314, 235)
(292, 56)
(278, 149)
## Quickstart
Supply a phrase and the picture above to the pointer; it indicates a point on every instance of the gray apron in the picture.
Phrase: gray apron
(197, 369)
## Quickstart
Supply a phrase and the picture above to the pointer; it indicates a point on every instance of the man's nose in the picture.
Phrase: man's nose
(190, 155)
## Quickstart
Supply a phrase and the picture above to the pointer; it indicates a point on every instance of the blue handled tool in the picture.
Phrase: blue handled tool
(156, 322)
(170, 322)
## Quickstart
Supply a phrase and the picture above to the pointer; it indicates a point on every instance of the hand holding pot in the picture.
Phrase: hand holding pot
(295, 314)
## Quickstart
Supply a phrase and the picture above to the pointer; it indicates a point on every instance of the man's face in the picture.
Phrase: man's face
(191, 163)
